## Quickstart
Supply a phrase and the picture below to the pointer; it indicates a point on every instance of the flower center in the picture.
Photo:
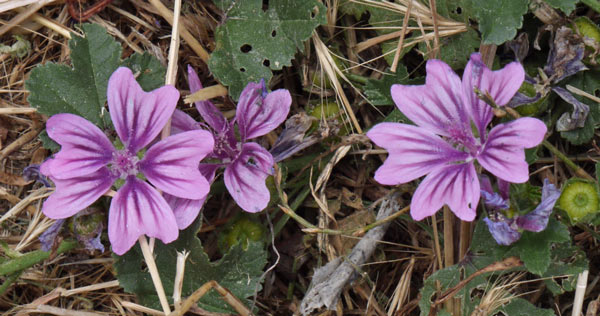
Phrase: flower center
(124, 164)
(224, 148)
(463, 140)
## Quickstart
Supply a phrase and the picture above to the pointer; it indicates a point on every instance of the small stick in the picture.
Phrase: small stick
(197, 295)
(436, 38)
(141, 308)
(171, 76)
(90, 288)
(402, 35)
(436, 241)
(206, 94)
(178, 284)
(13, 111)
(508, 263)
(26, 138)
(187, 36)
(580, 293)
(149, 258)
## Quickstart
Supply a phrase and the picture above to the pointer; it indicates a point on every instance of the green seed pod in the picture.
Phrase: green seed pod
(241, 230)
(329, 111)
(588, 28)
(579, 199)
(535, 108)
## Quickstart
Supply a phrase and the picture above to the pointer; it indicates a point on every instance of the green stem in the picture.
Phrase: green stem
(356, 78)
(28, 260)
(594, 4)
(9, 280)
(295, 204)
(578, 171)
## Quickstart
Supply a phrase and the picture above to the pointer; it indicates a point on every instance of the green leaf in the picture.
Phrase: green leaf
(151, 71)
(396, 117)
(566, 6)
(498, 20)
(447, 278)
(521, 307)
(79, 90)
(378, 91)
(456, 50)
(252, 42)
(534, 248)
(353, 8)
(238, 270)
(567, 260)
(48, 143)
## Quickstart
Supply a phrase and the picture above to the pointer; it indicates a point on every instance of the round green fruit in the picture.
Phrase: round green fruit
(579, 199)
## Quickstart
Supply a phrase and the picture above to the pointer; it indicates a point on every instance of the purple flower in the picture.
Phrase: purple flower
(88, 164)
(508, 230)
(247, 164)
(450, 135)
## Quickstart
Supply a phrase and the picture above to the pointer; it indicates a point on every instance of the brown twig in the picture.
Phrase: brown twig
(82, 16)
(508, 263)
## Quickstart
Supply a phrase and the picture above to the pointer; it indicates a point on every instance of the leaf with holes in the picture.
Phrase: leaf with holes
(79, 90)
(253, 41)
(239, 271)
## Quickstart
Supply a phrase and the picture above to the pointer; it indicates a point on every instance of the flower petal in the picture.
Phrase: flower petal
(502, 232)
(138, 116)
(186, 210)
(172, 164)
(138, 209)
(245, 178)
(438, 105)
(48, 237)
(181, 122)
(537, 220)
(85, 148)
(414, 151)
(207, 109)
(256, 116)
(503, 153)
(455, 185)
(502, 85)
(74, 194)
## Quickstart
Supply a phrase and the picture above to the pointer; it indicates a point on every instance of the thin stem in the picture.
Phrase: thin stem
(464, 239)
(448, 248)
(436, 240)
(30, 259)
(362, 231)
(578, 170)
(149, 258)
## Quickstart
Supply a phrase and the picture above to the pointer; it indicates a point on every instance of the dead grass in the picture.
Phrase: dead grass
(84, 283)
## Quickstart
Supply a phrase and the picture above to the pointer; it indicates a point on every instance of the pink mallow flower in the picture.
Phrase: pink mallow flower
(247, 164)
(88, 164)
(451, 134)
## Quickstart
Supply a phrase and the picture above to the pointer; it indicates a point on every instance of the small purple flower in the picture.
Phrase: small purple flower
(451, 134)
(88, 164)
(247, 164)
(508, 230)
